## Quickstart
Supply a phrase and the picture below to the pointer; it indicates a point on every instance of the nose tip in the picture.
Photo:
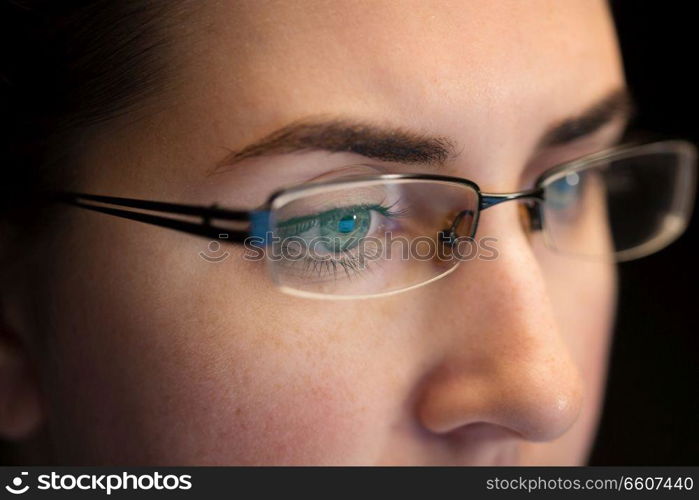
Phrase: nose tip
(543, 403)
(536, 402)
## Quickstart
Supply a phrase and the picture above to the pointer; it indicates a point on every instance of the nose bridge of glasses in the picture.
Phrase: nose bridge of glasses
(468, 218)
(530, 204)
(491, 199)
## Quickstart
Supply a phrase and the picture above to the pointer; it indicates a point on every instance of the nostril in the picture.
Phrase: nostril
(484, 431)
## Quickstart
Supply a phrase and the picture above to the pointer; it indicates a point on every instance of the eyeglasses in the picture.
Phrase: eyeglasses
(369, 236)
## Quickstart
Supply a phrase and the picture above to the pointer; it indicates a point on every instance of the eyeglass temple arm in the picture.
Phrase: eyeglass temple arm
(256, 221)
(106, 204)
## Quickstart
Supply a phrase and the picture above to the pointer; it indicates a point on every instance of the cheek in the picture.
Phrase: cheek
(176, 361)
(250, 406)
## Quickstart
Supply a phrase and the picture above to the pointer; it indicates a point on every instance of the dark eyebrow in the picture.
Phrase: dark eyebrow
(617, 104)
(338, 135)
(403, 146)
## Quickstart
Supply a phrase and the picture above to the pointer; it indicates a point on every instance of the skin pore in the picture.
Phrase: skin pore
(144, 353)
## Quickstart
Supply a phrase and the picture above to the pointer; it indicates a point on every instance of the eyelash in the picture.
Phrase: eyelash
(348, 263)
(306, 223)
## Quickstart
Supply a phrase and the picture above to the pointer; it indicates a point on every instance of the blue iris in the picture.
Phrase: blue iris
(564, 192)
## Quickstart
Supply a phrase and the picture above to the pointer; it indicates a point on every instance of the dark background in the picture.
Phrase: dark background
(651, 414)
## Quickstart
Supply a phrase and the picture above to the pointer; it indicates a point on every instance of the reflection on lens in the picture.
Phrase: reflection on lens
(624, 206)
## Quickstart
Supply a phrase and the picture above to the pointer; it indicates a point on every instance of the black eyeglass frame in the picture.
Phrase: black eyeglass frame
(247, 223)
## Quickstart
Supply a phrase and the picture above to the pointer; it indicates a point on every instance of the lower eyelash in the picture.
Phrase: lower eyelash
(331, 267)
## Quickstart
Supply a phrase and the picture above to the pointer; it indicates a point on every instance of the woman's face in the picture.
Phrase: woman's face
(149, 354)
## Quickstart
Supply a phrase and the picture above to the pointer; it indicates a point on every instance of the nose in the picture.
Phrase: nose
(502, 358)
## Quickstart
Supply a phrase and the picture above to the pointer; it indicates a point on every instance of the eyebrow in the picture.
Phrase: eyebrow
(337, 135)
(617, 104)
(409, 147)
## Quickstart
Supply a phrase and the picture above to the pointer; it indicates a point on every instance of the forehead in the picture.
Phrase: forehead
(491, 75)
(447, 61)
(388, 45)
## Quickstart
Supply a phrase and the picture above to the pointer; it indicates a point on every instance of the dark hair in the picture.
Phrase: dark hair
(67, 65)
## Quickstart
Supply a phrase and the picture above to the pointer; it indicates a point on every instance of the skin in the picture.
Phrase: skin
(131, 349)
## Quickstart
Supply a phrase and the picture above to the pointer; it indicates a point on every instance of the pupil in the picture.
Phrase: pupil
(347, 223)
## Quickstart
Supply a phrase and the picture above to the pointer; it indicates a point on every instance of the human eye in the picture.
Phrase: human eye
(326, 241)
(577, 203)
(344, 227)
(564, 194)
